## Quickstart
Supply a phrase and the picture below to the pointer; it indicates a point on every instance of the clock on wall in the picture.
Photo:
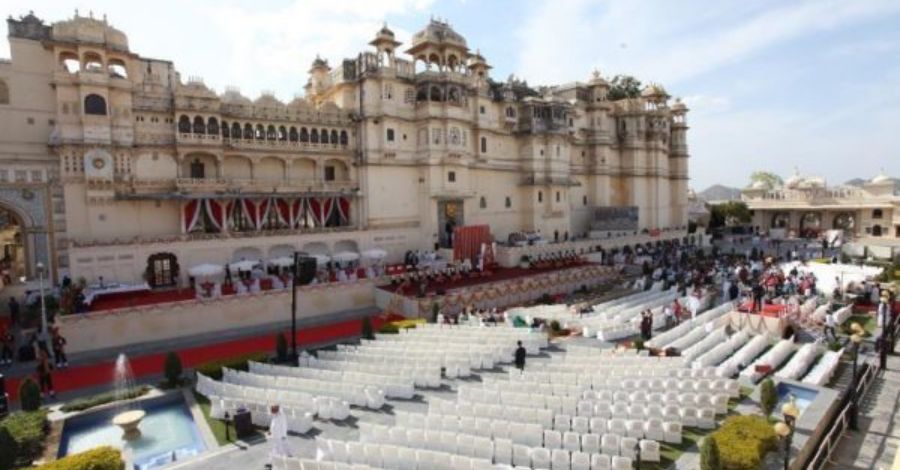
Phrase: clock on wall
(99, 163)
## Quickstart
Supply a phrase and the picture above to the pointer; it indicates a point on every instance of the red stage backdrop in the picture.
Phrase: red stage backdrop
(467, 242)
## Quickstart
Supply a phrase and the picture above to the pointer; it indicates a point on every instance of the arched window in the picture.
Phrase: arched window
(271, 134)
(304, 135)
(584, 200)
(334, 137)
(436, 94)
(540, 196)
(236, 130)
(226, 131)
(212, 126)
(248, 131)
(292, 134)
(323, 136)
(876, 231)
(453, 95)
(508, 202)
(198, 171)
(344, 139)
(282, 133)
(117, 69)
(260, 132)
(92, 62)
(199, 125)
(184, 124)
(484, 145)
(482, 203)
(95, 105)
(4, 92)
(314, 136)
(557, 196)
(510, 112)
(877, 214)
(69, 62)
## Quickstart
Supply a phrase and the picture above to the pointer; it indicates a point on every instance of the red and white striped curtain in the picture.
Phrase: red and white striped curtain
(191, 215)
(343, 208)
(283, 210)
(215, 213)
(467, 241)
(262, 212)
(249, 209)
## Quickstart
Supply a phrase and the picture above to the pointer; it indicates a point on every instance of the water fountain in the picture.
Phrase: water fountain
(129, 420)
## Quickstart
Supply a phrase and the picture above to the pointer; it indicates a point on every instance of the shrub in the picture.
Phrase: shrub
(82, 404)
(639, 344)
(709, 455)
(213, 369)
(100, 458)
(367, 328)
(767, 397)
(743, 441)
(22, 438)
(554, 326)
(281, 347)
(172, 369)
(29, 395)
(389, 328)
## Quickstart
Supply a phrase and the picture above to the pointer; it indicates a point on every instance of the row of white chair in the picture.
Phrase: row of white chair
(299, 421)
(359, 395)
(298, 400)
(641, 386)
(721, 352)
(743, 356)
(422, 376)
(501, 450)
(823, 370)
(772, 359)
(799, 363)
(280, 462)
(392, 385)
(461, 369)
(665, 339)
(475, 355)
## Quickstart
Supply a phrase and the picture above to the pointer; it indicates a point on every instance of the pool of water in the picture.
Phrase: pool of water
(168, 433)
(802, 396)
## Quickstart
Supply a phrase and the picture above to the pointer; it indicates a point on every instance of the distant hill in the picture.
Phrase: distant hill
(718, 192)
(860, 182)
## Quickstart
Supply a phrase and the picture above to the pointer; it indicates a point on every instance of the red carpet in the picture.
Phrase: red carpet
(132, 299)
(66, 380)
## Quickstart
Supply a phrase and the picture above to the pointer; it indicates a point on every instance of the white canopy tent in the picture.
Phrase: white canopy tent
(345, 256)
(245, 265)
(282, 261)
(375, 254)
(206, 270)
(320, 258)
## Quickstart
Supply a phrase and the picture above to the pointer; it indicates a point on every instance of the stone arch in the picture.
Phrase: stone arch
(191, 162)
(117, 68)
(346, 245)
(316, 248)
(238, 167)
(91, 61)
(283, 249)
(341, 169)
(249, 253)
(844, 221)
(877, 230)
(810, 223)
(69, 62)
(302, 169)
(26, 210)
(781, 220)
(269, 169)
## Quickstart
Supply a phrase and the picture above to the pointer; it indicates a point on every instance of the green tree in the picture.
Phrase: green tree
(624, 86)
(172, 369)
(729, 214)
(709, 455)
(281, 347)
(767, 397)
(9, 449)
(29, 395)
(771, 180)
(367, 328)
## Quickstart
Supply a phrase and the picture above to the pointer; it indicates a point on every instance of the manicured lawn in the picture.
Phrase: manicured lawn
(217, 426)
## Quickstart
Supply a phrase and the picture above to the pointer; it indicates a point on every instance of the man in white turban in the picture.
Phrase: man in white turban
(278, 433)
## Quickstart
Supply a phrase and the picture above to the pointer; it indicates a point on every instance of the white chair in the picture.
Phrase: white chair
(581, 424)
(562, 422)
(653, 429)
(618, 426)
(635, 428)
(590, 443)
(390, 456)
(600, 462)
(581, 461)
(483, 448)
(540, 458)
(706, 418)
(609, 444)
(571, 441)
(672, 432)
(460, 462)
(503, 451)
(689, 416)
(407, 458)
(598, 425)
(621, 463)
(521, 455)
(357, 452)
(649, 451)
(561, 459)
(373, 455)
(552, 439)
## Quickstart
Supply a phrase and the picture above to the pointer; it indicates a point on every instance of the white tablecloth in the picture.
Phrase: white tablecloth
(94, 291)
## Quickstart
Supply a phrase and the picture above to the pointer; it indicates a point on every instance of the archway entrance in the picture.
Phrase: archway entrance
(13, 255)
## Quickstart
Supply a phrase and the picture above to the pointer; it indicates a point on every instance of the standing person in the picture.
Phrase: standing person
(520, 356)
(278, 431)
(9, 344)
(669, 315)
(758, 293)
(13, 310)
(883, 313)
(677, 311)
(733, 291)
(59, 350)
(44, 373)
(829, 326)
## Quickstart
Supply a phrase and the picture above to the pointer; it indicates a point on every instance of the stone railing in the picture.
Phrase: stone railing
(193, 237)
(509, 256)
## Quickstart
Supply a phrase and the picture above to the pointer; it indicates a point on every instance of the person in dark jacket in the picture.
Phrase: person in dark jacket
(520, 356)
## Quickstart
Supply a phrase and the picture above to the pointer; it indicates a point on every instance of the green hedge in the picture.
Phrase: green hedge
(101, 458)
(213, 369)
(389, 328)
(82, 404)
(743, 441)
(23, 437)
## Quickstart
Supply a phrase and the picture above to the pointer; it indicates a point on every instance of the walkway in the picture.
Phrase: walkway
(874, 446)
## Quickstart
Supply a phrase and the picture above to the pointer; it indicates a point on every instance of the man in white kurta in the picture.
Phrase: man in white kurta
(278, 433)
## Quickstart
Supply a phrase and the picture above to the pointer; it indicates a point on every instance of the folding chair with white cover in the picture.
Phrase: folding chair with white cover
(540, 458)
(610, 444)
(706, 418)
(503, 451)
(598, 425)
(581, 461)
(627, 447)
(635, 428)
(561, 459)
(521, 455)
(621, 463)
(552, 439)
(672, 432)
(590, 443)
(649, 451)
(600, 462)
(572, 441)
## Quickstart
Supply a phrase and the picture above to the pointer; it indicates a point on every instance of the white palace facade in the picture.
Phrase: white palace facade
(113, 165)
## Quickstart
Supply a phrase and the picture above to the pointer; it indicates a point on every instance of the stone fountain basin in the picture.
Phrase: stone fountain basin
(129, 422)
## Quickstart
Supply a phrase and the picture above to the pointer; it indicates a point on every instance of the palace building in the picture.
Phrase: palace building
(114, 165)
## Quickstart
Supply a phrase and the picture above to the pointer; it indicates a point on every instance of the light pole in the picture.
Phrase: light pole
(785, 429)
(40, 270)
(856, 339)
(296, 270)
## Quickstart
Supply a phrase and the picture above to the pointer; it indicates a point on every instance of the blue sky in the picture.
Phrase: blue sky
(772, 85)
